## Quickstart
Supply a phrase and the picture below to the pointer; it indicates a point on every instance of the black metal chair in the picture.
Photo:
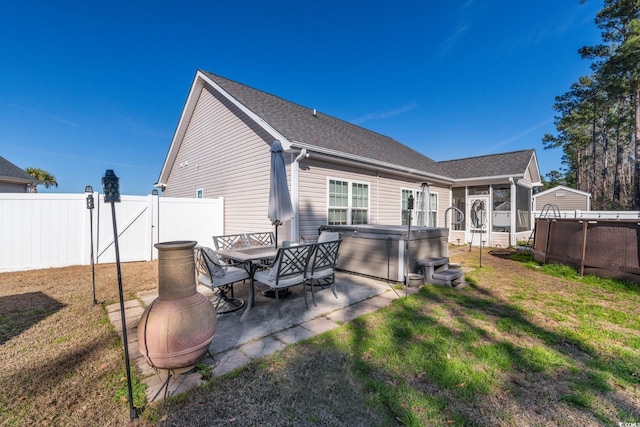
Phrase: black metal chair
(287, 270)
(260, 239)
(321, 270)
(213, 273)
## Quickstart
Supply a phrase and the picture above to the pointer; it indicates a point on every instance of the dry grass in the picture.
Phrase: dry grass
(62, 361)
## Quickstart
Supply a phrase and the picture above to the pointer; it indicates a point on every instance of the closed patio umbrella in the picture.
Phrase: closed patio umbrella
(280, 209)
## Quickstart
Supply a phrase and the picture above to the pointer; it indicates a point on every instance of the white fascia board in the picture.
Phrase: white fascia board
(286, 144)
(14, 180)
(537, 179)
(563, 188)
(341, 157)
(481, 180)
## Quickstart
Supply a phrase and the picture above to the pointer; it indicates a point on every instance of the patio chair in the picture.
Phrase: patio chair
(322, 267)
(328, 236)
(230, 241)
(260, 239)
(287, 270)
(220, 277)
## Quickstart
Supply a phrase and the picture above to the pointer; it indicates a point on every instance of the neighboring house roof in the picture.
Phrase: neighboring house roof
(12, 173)
(304, 128)
(562, 188)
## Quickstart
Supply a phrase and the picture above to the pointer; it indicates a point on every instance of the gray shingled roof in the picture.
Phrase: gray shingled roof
(9, 170)
(503, 164)
(298, 124)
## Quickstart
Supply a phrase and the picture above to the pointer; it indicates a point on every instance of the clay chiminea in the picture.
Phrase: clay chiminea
(176, 329)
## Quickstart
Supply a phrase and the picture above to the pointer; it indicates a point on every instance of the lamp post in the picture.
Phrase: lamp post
(111, 188)
(90, 205)
(406, 273)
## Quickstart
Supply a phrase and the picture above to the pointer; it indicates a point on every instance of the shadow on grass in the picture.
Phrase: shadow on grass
(432, 361)
(20, 312)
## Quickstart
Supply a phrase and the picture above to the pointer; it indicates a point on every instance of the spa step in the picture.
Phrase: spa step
(447, 277)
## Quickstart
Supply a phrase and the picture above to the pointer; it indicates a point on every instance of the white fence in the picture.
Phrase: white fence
(594, 214)
(54, 230)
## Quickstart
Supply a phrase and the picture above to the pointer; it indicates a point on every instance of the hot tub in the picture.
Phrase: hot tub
(379, 250)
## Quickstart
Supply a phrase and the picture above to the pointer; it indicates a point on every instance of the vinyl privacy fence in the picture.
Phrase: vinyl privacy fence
(55, 230)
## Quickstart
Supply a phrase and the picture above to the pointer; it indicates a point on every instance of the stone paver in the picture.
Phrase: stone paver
(263, 347)
(319, 325)
(229, 360)
(294, 335)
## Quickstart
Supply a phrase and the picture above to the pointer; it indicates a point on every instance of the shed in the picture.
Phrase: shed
(566, 198)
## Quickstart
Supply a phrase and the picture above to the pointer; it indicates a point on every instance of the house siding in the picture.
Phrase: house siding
(12, 188)
(238, 173)
(384, 189)
(567, 202)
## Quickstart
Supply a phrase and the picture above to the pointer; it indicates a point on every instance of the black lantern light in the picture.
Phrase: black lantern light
(111, 187)
(90, 205)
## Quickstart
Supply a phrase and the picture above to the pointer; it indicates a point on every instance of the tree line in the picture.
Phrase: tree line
(598, 119)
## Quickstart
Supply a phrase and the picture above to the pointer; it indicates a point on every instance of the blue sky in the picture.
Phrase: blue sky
(90, 86)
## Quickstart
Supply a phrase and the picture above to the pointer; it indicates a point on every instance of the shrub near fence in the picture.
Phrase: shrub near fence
(605, 248)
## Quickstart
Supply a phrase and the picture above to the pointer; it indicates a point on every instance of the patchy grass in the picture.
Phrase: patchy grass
(520, 345)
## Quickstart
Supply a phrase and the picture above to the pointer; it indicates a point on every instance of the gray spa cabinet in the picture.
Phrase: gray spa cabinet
(379, 250)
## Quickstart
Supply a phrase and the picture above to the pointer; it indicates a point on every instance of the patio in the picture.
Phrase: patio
(245, 335)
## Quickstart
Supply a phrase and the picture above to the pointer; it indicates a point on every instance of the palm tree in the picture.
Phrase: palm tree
(41, 175)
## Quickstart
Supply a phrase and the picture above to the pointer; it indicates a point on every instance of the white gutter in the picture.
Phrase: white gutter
(295, 194)
(347, 159)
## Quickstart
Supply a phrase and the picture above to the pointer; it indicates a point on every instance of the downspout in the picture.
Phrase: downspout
(512, 230)
(295, 194)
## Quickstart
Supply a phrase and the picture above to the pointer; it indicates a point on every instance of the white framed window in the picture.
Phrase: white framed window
(418, 208)
(348, 202)
(199, 193)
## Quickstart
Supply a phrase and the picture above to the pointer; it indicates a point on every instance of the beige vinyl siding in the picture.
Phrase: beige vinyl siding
(384, 189)
(12, 188)
(566, 200)
(500, 240)
(226, 158)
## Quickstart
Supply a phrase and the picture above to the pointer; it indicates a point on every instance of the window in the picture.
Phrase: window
(432, 213)
(523, 208)
(501, 208)
(405, 202)
(418, 208)
(199, 193)
(459, 202)
(348, 203)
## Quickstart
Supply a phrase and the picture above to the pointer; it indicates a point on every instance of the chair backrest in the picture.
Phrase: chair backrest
(230, 241)
(291, 262)
(207, 262)
(260, 239)
(328, 236)
(325, 255)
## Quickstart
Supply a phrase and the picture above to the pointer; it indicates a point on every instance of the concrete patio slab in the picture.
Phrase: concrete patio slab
(257, 331)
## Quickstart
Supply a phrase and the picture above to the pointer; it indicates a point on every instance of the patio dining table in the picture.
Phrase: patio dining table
(250, 257)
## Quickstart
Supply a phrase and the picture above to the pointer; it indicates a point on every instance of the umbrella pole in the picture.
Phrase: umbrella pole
(276, 242)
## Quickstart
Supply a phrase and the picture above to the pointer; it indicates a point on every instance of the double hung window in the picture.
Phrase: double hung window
(348, 202)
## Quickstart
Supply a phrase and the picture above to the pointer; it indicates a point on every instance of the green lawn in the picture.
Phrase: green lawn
(520, 345)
